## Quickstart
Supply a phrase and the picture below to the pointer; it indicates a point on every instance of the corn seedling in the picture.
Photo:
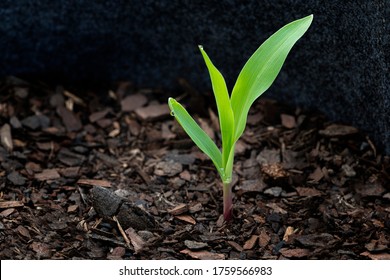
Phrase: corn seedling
(255, 78)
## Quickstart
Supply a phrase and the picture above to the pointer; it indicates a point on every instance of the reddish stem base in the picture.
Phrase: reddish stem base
(227, 202)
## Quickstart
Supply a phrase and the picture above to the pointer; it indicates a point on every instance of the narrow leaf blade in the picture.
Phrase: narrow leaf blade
(229, 165)
(225, 111)
(200, 138)
(262, 68)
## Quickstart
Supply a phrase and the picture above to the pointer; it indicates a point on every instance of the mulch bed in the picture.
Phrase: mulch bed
(111, 175)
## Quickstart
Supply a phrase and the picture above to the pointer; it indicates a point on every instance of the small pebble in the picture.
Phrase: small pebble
(195, 245)
(274, 191)
(14, 121)
(168, 168)
(387, 195)
(16, 178)
(145, 234)
(36, 121)
(348, 170)
(122, 193)
(186, 159)
(177, 182)
(168, 230)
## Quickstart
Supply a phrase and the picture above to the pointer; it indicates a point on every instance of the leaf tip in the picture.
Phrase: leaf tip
(170, 102)
(310, 17)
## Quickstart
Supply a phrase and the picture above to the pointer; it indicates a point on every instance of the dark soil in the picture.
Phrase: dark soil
(111, 175)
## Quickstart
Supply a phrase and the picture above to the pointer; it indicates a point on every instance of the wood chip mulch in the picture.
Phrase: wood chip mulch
(109, 174)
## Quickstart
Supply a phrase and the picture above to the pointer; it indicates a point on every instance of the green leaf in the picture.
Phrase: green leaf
(225, 112)
(201, 139)
(262, 68)
(229, 166)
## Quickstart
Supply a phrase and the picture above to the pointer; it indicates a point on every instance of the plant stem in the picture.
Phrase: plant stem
(227, 201)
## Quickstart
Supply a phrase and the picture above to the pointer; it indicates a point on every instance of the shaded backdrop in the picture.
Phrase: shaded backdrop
(340, 66)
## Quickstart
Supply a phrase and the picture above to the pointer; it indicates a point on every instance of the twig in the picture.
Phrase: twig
(122, 232)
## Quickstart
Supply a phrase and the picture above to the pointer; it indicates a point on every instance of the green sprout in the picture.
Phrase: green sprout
(255, 78)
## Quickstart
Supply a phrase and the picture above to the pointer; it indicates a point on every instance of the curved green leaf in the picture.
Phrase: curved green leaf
(200, 138)
(225, 112)
(262, 68)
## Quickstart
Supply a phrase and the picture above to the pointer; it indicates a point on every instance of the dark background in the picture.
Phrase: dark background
(340, 66)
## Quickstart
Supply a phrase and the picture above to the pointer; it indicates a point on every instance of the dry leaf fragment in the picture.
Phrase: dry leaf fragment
(241, 147)
(376, 246)
(132, 102)
(16, 178)
(382, 256)
(276, 208)
(42, 250)
(70, 172)
(316, 240)
(46, 146)
(19, 143)
(251, 242)
(152, 112)
(236, 246)
(302, 191)
(47, 174)
(370, 189)
(294, 253)
(259, 219)
(104, 123)
(195, 208)
(317, 175)
(23, 231)
(168, 168)
(98, 115)
(185, 175)
(6, 137)
(206, 128)
(117, 253)
(287, 233)
(336, 130)
(94, 182)
(72, 208)
(251, 186)
(11, 204)
(214, 120)
(264, 239)
(186, 218)
(203, 255)
(179, 209)
(275, 170)
(133, 126)
(7, 212)
(274, 191)
(74, 98)
(70, 120)
(21, 92)
(268, 156)
(116, 131)
(288, 121)
(136, 240)
(195, 245)
(348, 170)
(166, 133)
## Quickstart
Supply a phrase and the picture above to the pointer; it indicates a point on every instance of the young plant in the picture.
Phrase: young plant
(255, 78)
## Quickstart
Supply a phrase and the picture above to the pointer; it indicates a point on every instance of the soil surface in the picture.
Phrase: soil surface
(109, 174)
